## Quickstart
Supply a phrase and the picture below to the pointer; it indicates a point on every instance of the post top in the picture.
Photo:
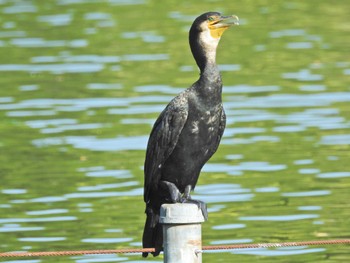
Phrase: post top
(180, 213)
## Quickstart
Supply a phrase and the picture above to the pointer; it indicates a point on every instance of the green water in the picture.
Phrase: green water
(82, 82)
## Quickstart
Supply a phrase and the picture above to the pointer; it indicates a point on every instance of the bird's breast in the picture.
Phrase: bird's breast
(204, 122)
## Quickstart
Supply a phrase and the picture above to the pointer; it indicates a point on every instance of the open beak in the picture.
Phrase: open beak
(225, 21)
(221, 23)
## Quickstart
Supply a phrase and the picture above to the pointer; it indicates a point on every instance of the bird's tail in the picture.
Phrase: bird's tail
(152, 233)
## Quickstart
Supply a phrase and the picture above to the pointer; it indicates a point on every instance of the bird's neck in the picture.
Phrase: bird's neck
(205, 58)
(210, 73)
(203, 47)
(209, 84)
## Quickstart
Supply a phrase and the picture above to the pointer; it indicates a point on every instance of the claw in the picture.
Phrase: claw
(174, 192)
(201, 205)
(187, 192)
(176, 197)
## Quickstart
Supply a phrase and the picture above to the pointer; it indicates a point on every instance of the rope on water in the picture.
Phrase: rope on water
(150, 250)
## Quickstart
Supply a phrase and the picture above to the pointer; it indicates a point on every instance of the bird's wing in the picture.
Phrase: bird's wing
(222, 126)
(163, 139)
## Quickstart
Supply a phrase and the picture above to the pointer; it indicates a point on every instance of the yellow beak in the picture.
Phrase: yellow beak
(221, 23)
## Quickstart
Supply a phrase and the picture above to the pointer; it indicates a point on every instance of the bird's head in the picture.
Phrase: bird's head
(215, 23)
(206, 31)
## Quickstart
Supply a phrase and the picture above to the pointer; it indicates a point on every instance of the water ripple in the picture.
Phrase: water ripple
(107, 240)
(244, 166)
(224, 198)
(41, 219)
(48, 212)
(96, 144)
(228, 226)
(20, 7)
(279, 218)
(40, 42)
(14, 191)
(133, 192)
(107, 186)
(299, 45)
(336, 139)
(250, 89)
(41, 239)
(287, 33)
(54, 68)
(277, 252)
(334, 175)
(102, 258)
(8, 228)
(56, 20)
(120, 174)
(308, 193)
(287, 100)
(231, 241)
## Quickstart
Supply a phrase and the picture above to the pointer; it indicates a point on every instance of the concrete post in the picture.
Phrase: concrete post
(182, 233)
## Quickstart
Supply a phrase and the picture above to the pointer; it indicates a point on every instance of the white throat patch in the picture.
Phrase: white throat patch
(209, 44)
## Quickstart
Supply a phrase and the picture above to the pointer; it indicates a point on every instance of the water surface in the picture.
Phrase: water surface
(83, 82)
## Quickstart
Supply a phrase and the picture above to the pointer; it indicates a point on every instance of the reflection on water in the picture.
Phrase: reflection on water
(302, 75)
(96, 144)
(101, 172)
(20, 7)
(282, 218)
(18, 228)
(106, 240)
(309, 193)
(244, 166)
(107, 186)
(47, 212)
(79, 97)
(23, 261)
(54, 68)
(287, 33)
(336, 139)
(231, 241)
(229, 226)
(309, 171)
(41, 239)
(278, 251)
(150, 37)
(334, 175)
(309, 208)
(270, 189)
(299, 45)
(56, 20)
(99, 258)
(41, 219)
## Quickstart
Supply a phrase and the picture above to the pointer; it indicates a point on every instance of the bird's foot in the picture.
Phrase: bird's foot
(175, 195)
(201, 205)
(186, 198)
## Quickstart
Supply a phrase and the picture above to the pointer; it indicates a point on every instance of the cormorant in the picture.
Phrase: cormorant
(188, 131)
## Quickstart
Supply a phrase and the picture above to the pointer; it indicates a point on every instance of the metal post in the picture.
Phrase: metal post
(182, 233)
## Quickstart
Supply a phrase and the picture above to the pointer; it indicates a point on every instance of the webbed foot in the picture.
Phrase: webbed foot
(201, 205)
(186, 198)
(175, 195)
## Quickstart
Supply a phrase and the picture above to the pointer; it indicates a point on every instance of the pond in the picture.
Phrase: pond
(82, 82)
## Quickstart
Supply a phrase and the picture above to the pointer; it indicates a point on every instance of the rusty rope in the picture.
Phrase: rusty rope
(75, 252)
(149, 250)
(283, 244)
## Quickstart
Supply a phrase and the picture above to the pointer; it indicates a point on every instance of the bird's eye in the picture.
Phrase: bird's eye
(211, 18)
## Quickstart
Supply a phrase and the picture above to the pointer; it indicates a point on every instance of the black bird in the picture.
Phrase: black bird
(188, 131)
